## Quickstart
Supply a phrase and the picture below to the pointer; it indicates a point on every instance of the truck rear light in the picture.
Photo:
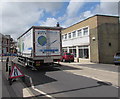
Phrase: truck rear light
(37, 62)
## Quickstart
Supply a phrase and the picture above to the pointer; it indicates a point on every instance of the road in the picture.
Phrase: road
(58, 82)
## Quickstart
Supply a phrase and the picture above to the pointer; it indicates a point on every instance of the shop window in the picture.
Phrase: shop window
(64, 50)
(74, 52)
(70, 50)
(83, 52)
(85, 31)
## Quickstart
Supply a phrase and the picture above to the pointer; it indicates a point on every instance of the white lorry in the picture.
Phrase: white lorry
(40, 45)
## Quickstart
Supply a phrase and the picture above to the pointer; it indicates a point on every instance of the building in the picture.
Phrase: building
(94, 39)
(6, 44)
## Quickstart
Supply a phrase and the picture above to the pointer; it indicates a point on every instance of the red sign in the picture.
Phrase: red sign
(15, 72)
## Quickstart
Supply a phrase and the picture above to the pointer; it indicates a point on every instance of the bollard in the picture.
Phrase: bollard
(9, 70)
(7, 60)
(10, 80)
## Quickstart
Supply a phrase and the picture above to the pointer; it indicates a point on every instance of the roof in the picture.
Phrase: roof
(5, 36)
(41, 27)
(92, 17)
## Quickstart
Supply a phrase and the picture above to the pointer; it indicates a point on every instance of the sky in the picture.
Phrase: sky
(17, 17)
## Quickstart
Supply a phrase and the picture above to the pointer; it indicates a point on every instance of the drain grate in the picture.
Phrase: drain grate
(104, 83)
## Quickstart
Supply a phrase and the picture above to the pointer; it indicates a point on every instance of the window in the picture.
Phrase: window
(64, 49)
(69, 35)
(85, 31)
(65, 36)
(73, 50)
(83, 52)
(74, 34)
(80, 32)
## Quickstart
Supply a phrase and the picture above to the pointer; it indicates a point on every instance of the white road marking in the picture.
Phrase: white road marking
(33, 87)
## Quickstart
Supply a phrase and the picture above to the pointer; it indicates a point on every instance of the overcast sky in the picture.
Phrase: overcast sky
(17, 17)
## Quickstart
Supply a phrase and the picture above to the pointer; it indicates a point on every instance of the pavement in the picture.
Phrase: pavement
(15, 90)
(102, 72)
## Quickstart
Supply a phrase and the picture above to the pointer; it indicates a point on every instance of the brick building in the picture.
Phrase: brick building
(94, 39)
(6, 44)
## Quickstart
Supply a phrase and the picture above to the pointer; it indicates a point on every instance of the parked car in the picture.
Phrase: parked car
(117, 58)
(67, 57)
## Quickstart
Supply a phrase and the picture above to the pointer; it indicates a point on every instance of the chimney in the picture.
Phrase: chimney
(58, 25)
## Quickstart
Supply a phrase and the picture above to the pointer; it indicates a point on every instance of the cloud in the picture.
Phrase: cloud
(17, 17)
(105, 8)
(49, 22)
(108, 8)
(87, 14)
(72, 13)
(74, 7)
(69, 17)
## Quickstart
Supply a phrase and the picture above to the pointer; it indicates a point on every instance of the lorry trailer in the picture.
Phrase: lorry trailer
(40, 45)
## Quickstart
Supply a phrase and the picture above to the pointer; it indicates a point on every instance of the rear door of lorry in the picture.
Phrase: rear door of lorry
(47, 44)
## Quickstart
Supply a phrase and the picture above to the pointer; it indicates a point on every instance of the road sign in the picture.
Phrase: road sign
(15, 72)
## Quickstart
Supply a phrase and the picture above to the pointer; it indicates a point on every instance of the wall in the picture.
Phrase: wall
(104, 33)
(108, 42)
(76, 41)
(94, 53)
(91, 22)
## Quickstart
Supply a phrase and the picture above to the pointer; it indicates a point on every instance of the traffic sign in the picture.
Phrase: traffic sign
(15, 72)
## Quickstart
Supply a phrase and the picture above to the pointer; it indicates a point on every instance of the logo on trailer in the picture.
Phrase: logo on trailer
(42, 40)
